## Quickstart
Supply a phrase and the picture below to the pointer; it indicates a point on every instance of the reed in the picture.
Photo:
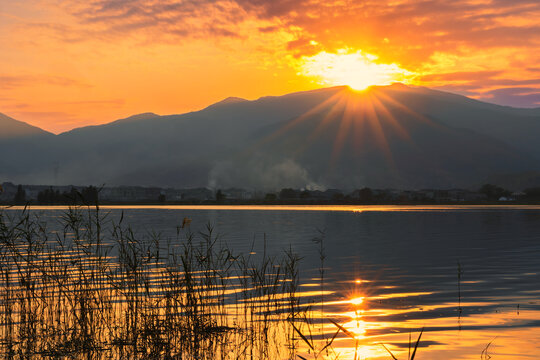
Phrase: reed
(96, 289)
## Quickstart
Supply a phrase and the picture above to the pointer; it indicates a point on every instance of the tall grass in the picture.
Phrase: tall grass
(87, 292)
(96, 289)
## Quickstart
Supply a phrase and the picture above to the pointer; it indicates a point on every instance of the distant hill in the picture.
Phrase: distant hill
(394, 136)
(11, 129)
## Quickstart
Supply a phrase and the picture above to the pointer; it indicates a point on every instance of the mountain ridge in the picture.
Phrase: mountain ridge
(235, 100)
(388, 136)
(12, 128)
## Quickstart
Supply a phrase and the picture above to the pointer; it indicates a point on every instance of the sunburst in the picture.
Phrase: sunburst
(357, 69)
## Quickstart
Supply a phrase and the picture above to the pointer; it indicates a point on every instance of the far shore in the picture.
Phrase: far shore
(288, 206)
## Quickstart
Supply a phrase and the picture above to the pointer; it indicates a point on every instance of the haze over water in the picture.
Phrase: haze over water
(390, 271)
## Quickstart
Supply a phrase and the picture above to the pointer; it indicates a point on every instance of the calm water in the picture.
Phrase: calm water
(401, 263)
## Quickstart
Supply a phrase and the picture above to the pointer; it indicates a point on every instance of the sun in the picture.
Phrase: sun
(357, 69)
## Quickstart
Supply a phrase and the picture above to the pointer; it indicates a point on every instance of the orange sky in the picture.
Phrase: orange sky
(69, 63)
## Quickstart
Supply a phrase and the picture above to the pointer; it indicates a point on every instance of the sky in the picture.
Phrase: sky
(71, 63)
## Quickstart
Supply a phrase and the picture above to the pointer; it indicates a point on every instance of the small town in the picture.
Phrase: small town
(12, 194)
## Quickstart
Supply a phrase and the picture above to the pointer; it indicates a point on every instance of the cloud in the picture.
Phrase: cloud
(480, 80)
(15, 81)
(494, 41)
(407, 31)
(460, 76)
(158, 20)
(268, 29)
(514, 96)
(18, 106)
(456, 17)
(109, 103)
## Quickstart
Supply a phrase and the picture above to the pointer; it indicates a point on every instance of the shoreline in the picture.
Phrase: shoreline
(288, 207)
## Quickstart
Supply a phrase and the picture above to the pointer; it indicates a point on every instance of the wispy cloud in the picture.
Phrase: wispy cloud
(14, 81)
(460, 76)
(111, 102)
(516, 96)
(413, 30)
(158, 20)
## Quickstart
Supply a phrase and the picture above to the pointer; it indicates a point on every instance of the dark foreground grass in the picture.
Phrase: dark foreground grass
(97, 290)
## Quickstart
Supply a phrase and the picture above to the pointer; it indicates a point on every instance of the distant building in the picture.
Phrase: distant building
(237, 194)
(129, 193)
(197, 194)
(506, 198)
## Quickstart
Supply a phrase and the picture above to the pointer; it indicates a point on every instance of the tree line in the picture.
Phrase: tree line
(86, 196)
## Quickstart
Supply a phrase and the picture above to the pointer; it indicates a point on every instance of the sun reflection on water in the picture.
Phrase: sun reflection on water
(357, 301)
(376, 310)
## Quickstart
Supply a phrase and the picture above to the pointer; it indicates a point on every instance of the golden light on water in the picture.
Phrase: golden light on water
(358, 69)
(357, 301)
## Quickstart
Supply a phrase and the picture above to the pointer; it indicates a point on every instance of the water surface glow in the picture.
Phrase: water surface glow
(348, 208)
(390, 271)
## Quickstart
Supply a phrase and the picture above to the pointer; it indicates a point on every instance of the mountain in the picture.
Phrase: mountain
(12, 129)
(19, 144)
(393, 136)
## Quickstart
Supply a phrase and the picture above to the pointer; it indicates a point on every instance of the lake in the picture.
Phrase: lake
(468, 275)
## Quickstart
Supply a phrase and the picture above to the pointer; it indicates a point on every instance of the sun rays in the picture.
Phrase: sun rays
(356, 120)
(352, 131)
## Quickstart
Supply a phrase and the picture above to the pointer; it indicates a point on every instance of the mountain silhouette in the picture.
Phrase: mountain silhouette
(387, 136)
(12, 129)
